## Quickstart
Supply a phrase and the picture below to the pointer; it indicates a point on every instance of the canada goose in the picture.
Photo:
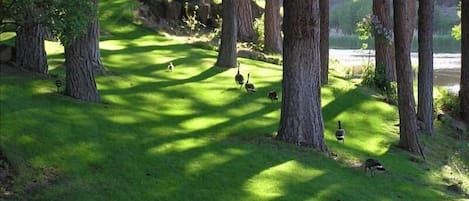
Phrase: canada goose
(239, 78)
(249, 86)
(170, 66)
(373, 165)
(273, 95)
(340, 133)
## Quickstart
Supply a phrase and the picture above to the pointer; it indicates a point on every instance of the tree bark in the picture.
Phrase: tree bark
(384, 51)
(272, 27)
(227, 52)
(81, 60)
(93, 33)
(425, 73)
(301, 119)
(30, 50)
(324, 35)
(246, 31)
(464, 91)
(404, 13)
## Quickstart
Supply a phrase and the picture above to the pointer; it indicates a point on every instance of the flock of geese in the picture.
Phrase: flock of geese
(239, 79)
(370, 164)
(272, 95)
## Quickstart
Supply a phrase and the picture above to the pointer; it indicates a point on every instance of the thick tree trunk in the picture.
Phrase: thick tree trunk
(227, 52)
(30, 51)
(464, 92)
(301, 119)
(404, 13)
(80, 61)
(272, 27)
(324, 7)
(246, 31)
(384, 51)
(425, 73)
(93, 33)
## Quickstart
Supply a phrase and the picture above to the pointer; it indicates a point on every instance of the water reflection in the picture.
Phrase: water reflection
(447, 66)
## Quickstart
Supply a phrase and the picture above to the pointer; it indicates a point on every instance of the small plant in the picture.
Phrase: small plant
(368, 76)
(259, 29)
(446, 101)
(191, 19)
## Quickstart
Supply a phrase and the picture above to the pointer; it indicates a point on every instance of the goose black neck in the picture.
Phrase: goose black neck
(340, 126)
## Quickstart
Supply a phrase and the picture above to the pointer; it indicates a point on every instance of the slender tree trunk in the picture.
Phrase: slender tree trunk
(324, 35)
(93, 33)
(272, 29)
(301, 119)
(246, 31)
(425, 73)
(384, 50)
(404, 13)
(30, 50)
(227, 52)
(464, 92)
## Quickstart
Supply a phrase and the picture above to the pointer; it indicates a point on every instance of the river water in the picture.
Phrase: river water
(447, 66)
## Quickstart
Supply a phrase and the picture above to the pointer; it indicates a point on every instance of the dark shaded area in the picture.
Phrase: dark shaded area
(7, 175)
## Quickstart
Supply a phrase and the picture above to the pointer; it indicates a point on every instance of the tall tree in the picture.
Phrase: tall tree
(384, 56)
(404, 15)
(80, 81)
(93, 33)
(464, 92)
(246, 31)
(301, 119)
(30, 35)
(272, 27)
(324, 35)
(227, 51)
(425, 72)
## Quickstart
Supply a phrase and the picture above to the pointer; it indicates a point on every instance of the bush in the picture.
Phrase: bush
(446, 101)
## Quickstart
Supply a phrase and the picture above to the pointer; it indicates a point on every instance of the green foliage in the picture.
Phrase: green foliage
(446, 101)
(71, 19)
(456, 30)
(365, 31)
(378, 81)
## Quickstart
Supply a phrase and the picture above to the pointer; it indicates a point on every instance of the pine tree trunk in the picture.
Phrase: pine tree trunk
(246, 31)
(425, 73)
(464, 92)
(93, 33)
(272, 29)
(80, 63)
(404, 13)
(324, 7)
(384, 52)
(30, 50)
(301, 119)
(227, 52)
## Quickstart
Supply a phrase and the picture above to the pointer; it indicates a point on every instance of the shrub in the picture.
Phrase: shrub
(446, 101)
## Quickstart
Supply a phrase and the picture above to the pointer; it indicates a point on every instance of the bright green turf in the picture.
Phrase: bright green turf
(191, 134)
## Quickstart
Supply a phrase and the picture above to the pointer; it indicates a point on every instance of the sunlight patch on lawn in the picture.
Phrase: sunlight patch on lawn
(179, 146)
(210, 160)
(203, 122)
(53, 47)
(112, 45)
(273, 182)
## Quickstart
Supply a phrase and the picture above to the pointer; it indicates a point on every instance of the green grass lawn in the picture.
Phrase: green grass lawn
(191, 134)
